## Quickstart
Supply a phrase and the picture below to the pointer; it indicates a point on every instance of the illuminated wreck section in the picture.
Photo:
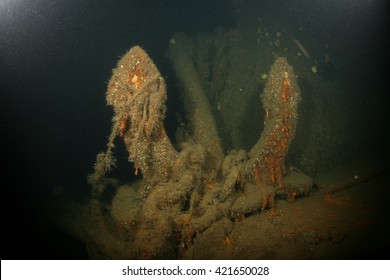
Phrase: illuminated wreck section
(137, 92)
(181, 194)
(280, 100)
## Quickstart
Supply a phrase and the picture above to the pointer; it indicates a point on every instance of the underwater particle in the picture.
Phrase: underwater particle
(314, 69)
(278, 34)
(263, 76)
(172, 41)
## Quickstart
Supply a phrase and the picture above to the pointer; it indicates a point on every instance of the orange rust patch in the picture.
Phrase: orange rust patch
(227, 241)
(122, 127)
(286, 88)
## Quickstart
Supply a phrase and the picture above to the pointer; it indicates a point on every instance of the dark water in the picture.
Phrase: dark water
(56, 58)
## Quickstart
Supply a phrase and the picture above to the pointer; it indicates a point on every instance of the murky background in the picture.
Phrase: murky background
(56, 58)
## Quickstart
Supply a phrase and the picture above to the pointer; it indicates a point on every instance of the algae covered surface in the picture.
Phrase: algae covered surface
(203, 196)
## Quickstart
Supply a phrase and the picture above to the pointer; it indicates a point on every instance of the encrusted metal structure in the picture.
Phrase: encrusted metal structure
(182, 193)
